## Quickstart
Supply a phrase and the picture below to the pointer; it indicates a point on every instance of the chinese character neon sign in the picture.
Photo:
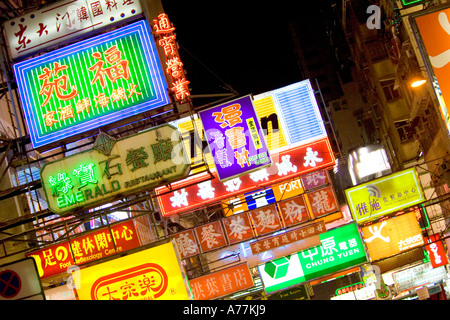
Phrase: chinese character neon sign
(235, 138)
(92, 178)
(174, 67)
(91, 83)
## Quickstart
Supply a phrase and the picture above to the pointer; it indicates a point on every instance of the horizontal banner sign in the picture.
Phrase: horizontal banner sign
(198, 191)
(86, 248)
(385, 195)
(288, 237)
(64, 20)
(91, 83)
(137, 162)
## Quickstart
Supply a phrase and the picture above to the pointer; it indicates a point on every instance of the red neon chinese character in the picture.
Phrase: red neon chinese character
(174, 67)
(68, 23)
(181, 89)
(118, 94)
(42, 29)
(82, 14)
(163, 25)
(82, 105)
(229, 116)
(168, 44)
(118, 69)
(132, 90)
(111, 4)
(101, 100)
(57, 85)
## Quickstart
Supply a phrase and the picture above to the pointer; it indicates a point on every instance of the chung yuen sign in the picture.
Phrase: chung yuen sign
(90, 178)
(91, 83)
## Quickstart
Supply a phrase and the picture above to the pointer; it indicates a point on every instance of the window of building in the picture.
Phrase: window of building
(403, 130)
(388, 89)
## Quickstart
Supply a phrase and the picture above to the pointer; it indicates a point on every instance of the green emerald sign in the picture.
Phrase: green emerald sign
(91, 178)
(341, 248)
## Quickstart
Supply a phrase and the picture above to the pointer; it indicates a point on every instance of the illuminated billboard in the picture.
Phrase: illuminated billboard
(91, 178)
(385, 195)
(289, 117)
(199, 191)
(340, 248)
(433, 29)
(152, 274)
(235, 138)
(392, 236)
(91, 83)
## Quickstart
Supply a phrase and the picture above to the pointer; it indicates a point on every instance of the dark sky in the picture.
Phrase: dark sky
(246, 43)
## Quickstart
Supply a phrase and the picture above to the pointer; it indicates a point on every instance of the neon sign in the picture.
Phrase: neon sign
(234, 136)
(174, 67)
(91, 178)
(195, 192)
(91, 83)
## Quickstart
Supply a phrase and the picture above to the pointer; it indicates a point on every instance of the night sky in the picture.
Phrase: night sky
(245, 44)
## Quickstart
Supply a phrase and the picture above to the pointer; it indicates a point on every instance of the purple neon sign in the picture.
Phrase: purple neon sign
(235, 138)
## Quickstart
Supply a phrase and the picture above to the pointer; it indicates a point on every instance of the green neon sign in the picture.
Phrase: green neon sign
(90, 178)
(410, 2)
(91, 83)
(341, 248)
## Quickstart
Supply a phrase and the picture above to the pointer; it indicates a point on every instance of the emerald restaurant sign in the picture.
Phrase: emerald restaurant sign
(91, 83)
(91, 178)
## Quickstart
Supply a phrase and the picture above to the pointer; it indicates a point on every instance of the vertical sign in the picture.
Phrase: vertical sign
(235, 138)
(434, 29)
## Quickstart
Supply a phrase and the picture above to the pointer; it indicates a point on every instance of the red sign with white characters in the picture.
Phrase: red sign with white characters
(294, 211)
(238, 228)
(265, 219)
(437, 254)
(222, 283)
(186, 243)
(210, 236)
(200, 190)
(322, 201)
(86, 248)
(315, 179)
